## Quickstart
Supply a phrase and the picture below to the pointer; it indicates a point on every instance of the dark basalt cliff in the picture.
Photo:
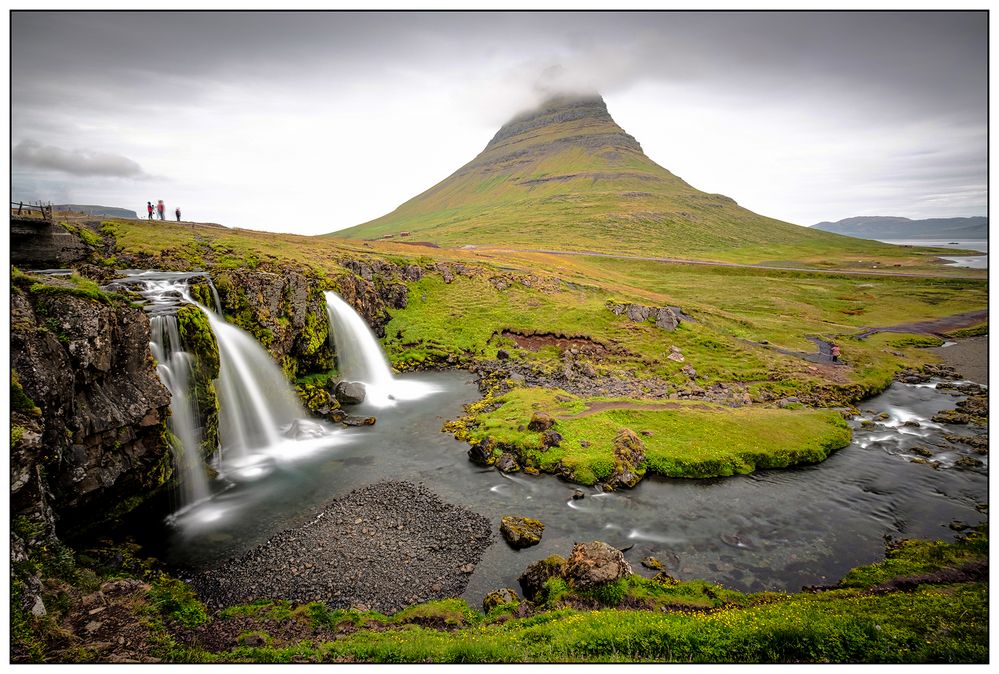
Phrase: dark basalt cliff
(97, 438)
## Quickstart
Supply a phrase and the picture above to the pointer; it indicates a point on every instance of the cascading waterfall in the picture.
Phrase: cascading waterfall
(260, 419)
(174, 368)
(360, 357)
(257, 406)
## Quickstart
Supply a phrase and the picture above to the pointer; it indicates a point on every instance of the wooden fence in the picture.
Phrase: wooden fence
(23, 211)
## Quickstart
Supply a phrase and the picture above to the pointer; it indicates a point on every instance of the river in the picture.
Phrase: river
(773, 530)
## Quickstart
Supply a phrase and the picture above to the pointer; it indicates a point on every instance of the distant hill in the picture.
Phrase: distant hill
(102, 211)
(565, 176)
(886, 227)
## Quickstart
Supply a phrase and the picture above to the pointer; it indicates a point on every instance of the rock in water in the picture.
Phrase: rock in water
(499, 598)
(629, 457)
(349, 392)
(507, 463)
(595, 563)
(350, 420)
(521, 532)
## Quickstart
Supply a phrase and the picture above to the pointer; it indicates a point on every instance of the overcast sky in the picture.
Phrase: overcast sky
(311, 122)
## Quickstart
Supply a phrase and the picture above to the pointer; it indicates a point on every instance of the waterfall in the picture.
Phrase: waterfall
(173, 365)
(261, 422)
(257, 405)
(360, 357)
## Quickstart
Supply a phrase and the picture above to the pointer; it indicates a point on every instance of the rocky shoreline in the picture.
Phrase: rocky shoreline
(969, 356)
(381, 547)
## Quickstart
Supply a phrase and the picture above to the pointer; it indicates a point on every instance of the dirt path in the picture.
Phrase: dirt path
(937, 326)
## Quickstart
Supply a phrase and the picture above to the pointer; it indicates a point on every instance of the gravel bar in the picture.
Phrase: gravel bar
(381, 547)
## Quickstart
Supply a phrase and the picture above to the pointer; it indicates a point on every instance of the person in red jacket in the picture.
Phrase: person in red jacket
(161, 209)
(149, 209)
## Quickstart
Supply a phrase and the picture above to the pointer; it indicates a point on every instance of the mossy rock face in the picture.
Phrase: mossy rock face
(629, 460)
(595, 563)
(316, 397)
(497, 598)
(532, 581)
(521, 532)
(199, 339)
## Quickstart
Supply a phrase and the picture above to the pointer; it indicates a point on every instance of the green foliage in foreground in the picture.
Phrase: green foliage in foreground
(691, 622)
(682, 439)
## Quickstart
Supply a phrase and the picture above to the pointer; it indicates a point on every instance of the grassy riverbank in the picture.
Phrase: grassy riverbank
(927, 602)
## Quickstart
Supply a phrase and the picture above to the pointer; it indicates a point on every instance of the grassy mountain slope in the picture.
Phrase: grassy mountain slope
(567, 177)
(871, 227)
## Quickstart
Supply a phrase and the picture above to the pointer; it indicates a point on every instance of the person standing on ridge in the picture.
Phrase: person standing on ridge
(149, 209)
(160, 208)
(177, 213)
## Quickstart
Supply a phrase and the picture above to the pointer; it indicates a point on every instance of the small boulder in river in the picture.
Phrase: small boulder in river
(540, 422)
(521, 532)
(499, 598)
(595, 563)
(349, 392)
(578, 494)
(507, 463)
(629, 455)
(350, 420)
(653, 563)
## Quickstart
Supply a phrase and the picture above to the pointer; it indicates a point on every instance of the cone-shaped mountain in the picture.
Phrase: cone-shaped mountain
(566, 176)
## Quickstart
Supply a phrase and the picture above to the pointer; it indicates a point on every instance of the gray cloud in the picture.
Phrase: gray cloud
(32, 154)
(203, 96)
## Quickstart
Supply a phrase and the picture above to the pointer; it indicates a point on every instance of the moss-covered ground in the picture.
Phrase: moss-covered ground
(681, 438)
(927, 602)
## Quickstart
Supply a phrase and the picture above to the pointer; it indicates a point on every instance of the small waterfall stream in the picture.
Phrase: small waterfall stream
(360, 358)
(173, 365)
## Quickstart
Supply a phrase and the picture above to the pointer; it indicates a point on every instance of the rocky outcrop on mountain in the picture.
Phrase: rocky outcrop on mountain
(89, 431)
(589, 110)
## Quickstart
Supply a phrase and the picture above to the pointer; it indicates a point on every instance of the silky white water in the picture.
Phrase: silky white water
(261, 423)
(173, 365)
(360, 357)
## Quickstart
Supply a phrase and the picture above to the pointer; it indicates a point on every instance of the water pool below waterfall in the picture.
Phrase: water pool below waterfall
(775, 530)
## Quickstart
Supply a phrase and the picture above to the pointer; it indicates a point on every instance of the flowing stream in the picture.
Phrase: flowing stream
(772, 530)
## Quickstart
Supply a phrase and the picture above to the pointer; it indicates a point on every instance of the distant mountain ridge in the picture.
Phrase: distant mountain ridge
(892, 227)
(103, 211)
(565, 176)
